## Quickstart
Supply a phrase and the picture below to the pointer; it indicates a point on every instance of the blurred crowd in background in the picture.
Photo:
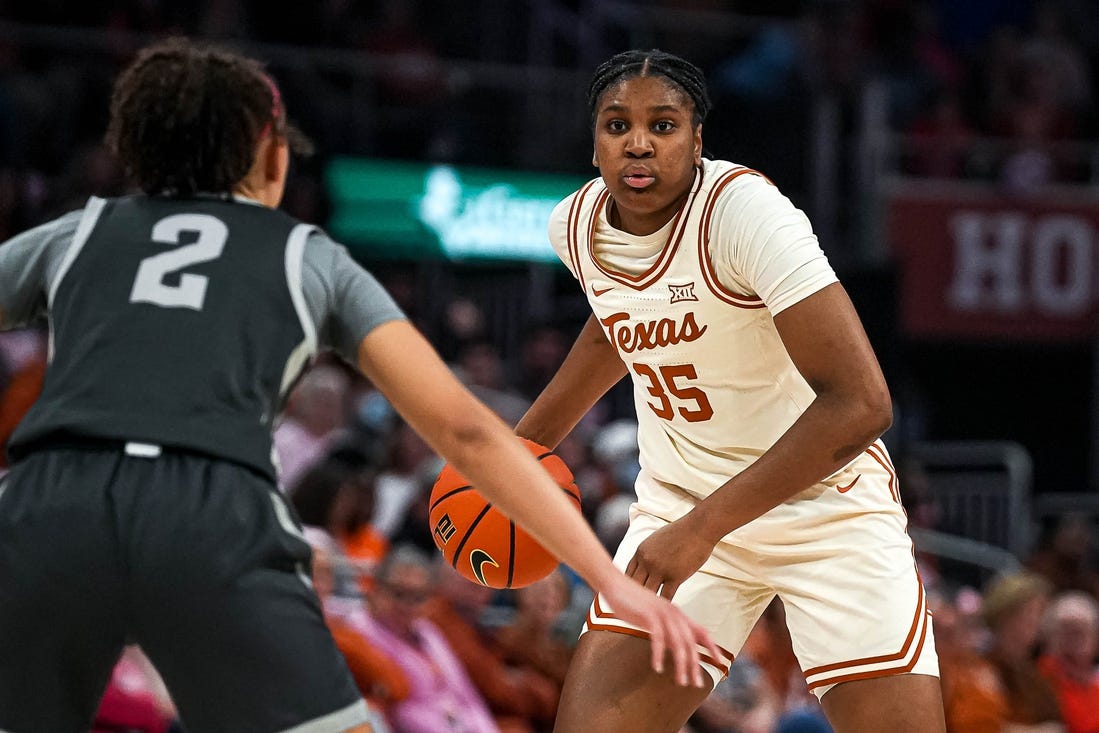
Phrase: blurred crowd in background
(391, 79)
(992, 90)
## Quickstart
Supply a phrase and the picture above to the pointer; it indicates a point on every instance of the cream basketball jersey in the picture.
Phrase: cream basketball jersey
(689, 310)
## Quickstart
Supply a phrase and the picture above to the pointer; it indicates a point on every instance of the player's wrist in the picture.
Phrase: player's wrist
(705, 525)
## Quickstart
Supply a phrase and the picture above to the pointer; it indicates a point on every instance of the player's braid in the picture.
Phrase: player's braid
(629, 64)
(186, 118)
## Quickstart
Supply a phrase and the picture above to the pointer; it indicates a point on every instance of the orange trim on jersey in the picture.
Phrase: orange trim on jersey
(903, 669)
(601, 614)
(592, 626)
(921, 613)
(884, 462)
(708, 273)
(571, 226)
(664, 261)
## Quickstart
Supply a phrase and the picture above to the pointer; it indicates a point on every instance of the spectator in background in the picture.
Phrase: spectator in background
(769, 647)
(537, 636)
(415, 527)
(543, 350)
(411, 90)
(482, 371)
(336, 495)
(315, 413)
(409, 460)
(462, 324)
(441, 695)
(379, 678)
(521, 698)
(1065, 555)
(742, 702)
(924, 511)
(941, 139)
(1072, 643)
(1003, 689)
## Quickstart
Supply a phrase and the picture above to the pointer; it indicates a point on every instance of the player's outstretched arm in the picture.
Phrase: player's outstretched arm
(591, 368)
(404, 366)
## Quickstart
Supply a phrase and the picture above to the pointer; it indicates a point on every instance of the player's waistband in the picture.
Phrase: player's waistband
(67, 441)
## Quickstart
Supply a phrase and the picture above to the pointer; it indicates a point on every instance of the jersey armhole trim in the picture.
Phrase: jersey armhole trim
(83, 230)
(572, 225)
(303, 352)
(709, 272)
(88, 221)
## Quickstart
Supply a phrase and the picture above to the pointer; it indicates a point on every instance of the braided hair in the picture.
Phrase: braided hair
(187, 118)
(630, 64)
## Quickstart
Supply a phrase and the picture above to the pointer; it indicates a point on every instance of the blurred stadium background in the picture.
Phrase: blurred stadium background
(946, 152)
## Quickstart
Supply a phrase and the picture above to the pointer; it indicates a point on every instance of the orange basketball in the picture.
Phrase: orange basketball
(479, 541)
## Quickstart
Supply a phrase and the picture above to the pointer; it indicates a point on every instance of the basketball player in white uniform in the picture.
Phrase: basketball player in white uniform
(759, 403)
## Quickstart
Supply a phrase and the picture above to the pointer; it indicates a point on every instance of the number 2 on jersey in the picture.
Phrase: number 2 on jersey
(660, 385)
(149, 285)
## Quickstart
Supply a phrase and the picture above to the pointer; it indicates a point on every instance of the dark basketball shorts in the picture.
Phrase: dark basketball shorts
(197, 560)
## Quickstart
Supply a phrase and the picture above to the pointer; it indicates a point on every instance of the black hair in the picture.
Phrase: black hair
(186, 118)
(654, 62)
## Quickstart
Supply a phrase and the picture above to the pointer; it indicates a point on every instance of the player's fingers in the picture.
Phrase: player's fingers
(668, 589)
(652, 582)
(686, 654)
(702, 637)
(656, 641)
(631, 568)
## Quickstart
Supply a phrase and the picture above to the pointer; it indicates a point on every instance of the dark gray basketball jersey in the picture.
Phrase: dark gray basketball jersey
(184, 323)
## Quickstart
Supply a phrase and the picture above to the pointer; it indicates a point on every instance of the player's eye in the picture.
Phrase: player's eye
(616, 126)
(664, 126)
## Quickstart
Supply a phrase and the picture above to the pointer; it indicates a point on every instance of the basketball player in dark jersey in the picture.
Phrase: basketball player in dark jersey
(142, 505)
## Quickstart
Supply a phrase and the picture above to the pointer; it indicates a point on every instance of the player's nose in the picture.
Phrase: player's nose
(639, 144)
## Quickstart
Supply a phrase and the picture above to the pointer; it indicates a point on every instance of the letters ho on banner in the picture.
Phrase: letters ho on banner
(978, 264)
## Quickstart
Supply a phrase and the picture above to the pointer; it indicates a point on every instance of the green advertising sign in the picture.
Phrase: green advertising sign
(396, 209)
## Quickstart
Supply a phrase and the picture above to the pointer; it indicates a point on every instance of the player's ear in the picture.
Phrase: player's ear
(276, 158)
(595, 158)
(698, 144)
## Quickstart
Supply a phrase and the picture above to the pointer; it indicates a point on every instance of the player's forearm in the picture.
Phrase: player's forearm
(461, 429)
(831, 433)
(591, 368)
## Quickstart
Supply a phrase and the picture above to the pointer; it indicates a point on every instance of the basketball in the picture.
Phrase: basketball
(479, 541)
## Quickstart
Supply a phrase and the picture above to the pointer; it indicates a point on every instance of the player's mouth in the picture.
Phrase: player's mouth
(638, 178)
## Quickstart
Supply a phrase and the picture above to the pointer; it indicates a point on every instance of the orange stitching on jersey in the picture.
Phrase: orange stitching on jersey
(921, 613)
(902, 669)
(600, 613)
(664, 261)
(572, 225)
(872, 450)
(708, 272)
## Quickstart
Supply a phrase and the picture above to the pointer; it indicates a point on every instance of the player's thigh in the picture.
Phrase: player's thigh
(60, 591)
(611, 687)
(907, 703)
(855, 605)
(227, 612)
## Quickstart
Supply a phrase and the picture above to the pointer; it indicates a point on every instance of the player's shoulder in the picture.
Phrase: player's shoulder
(726, 179)
(574, 208)
(585, 196)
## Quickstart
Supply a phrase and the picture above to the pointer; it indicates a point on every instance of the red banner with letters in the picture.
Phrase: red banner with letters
(978, 265)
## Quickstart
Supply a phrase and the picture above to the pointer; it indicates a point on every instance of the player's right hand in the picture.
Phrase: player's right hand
(670, 631)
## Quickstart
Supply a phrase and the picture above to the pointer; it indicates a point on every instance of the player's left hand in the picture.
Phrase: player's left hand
(668, 557)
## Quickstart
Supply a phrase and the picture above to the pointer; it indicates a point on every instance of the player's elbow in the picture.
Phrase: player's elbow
(876, 410)
(466, 432)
